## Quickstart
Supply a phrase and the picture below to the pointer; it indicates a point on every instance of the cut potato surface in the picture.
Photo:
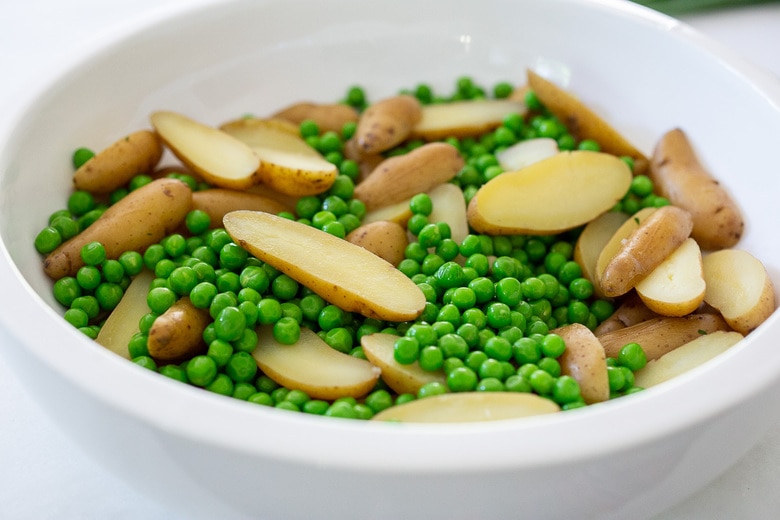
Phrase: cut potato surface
(525, 153)
(591, 242)
(449, 206)
(218, 157)
(584, 360)
(342, 273)
(464, 118)
(313, 366)
(685, 358)
(530, 200)
(122, 323)
(469, 407)
(403, 379)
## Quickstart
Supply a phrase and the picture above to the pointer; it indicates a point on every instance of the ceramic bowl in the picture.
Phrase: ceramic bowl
(213, 457)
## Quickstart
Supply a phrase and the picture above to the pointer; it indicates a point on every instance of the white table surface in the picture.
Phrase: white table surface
(44, 476)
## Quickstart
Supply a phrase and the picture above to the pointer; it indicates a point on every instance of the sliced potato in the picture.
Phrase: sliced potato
(584, 360)
(464, 118)
(217, 202)
(342, 273)
(685, 357)
(591, 242)
(529, 200)
(582, 122)
(398, 213)
(403, 379)
(123, 321)
(676, 287)
(632, 310)
(287, 163)
(469, 407)
(313, 366)
(387, 240)
(449, 206)
(218, 157)
(739, 286)
(525, 153)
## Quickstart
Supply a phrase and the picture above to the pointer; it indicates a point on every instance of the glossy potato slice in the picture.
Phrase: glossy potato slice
(530, 200)
(525, 153)
(123, 321)
(449, 206)
(313, 366)
(342, 273)
(591, 242)
(464, 118)
(403, 379)
(218, 157)
(469, 407)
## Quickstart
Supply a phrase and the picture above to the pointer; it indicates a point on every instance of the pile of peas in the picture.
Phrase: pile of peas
(491, 301)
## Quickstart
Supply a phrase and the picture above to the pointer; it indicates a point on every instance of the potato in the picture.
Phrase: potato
(449, 206)
(177, 334)
(385, 239)
(313, 366)
(592, 240)
(387, 123)
(342, 273)
(329, 117)
(530, 200)
(112, 168)
(658, 336)
(524, 153)
(685, 357)
(656, 237)
(398, 213)
(287, 163)
(122, 323)
(140, 219)
(367, 163)
(221, 159)
(464, 118)
(739, 286)
(585, 361)
(399, 178)
(680, 177)
(469, 407)
(218, 202)
(402, 379)
(676, 286)
(632, 310)
(582, 122)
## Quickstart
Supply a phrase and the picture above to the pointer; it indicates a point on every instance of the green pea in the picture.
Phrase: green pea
(201, 370)
(132, 262)
(340, 338)
(566, 390)
(284, 287)
(431, 388)
(379, 400)
(462, 379)
(174, 372)
(490, 384)
(632, 356)
(80, 202)
(406, 350)
(269, 311)
(160, 299)
(241, 367)
(286, 330)
(47, 240)
(421, 204)
(108, 295)
(229, 323)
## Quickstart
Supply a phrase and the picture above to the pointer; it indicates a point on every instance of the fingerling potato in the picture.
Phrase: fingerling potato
(112, 168)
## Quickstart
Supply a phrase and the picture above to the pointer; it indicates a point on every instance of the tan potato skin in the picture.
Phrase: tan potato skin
(385, 239)
(178, 333)
(632, 310)
(654, 240)
(218, 202)
(657, 336)
(680, 177)
(582, 122)
(404, 176)
(140, 219)
(584, 360)
(329, 117)
(387, 123)
(112, 168)
(367, 163)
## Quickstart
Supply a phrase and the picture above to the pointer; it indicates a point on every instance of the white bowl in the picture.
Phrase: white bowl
(206, 455)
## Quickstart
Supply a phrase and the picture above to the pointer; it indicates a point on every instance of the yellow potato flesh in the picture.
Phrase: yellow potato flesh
(313, 366)
(469, 407)
(615, 242)
(464, 118)
(449, 206)
(122, 323)
(403, 379)
(596, 234)
(525, 153)
(676, 287)
(550, 196)
(342, 273)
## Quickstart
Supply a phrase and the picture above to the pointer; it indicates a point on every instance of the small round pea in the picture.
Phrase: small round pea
(93, 253)
(160, 299)
(241, 367)
(286, 330)
(421, 204)
(108, 295)
(201, 370)
(431, 358)
(632, 356)
(47, 240)
(406, 350)
(432, 388)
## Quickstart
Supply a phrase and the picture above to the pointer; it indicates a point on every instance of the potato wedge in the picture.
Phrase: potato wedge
(221, 159)
(469, 407)
(287, 163)
(680, 177)
(464, 118)
(685, 357)
(387, 123)
(582, 122)
(676, 287)
(140, 219)
(122, 323)
(398, 213)
(177, 334)
(584, 360)
(656, 237)
(591, 242)
(525, 153)
(399, 178)
(342, 273)
(659, 336)
(313, 366)
(113, 167)
(402, 379)
(449, 206)
(330, 117)
(632, 310)
(217, 202)
(739, 286)
(387, 240)
(527, 200)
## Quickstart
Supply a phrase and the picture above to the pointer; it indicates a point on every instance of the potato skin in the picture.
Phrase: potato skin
(218, 202)
(329, 117)
(584, 360)
(680, 177)
(385, 239)
(138, 220)
(632, 310)
(178, 333)
(387, 123)
(138, 153)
